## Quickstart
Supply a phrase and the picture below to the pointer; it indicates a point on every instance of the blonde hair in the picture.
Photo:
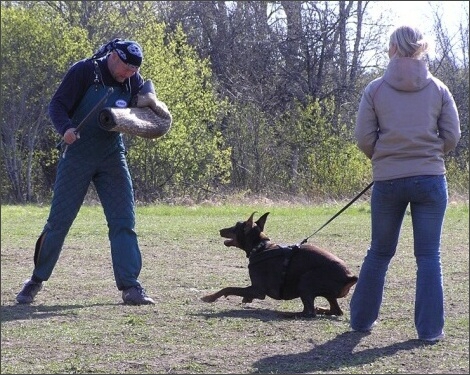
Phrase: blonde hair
(410, 42)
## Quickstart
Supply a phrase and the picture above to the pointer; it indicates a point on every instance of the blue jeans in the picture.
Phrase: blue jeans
(427, 197)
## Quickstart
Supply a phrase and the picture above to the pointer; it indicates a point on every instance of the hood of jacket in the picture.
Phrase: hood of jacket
(407, 74)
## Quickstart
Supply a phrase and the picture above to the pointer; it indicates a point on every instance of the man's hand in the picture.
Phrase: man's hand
(71, 135)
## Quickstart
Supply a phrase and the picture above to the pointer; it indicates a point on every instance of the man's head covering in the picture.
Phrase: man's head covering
(129, 52)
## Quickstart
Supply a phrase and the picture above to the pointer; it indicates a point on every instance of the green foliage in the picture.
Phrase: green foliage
(193, 154)
(264, 142)
(337, 169)
(328, 163)
(294, 152)
(457, 177)
(31, 41)
(254, 149)
(456, 79)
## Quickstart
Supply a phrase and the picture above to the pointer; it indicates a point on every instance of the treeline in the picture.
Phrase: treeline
(263, 94)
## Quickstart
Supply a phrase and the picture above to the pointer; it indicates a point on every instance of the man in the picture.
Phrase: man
(110, 78)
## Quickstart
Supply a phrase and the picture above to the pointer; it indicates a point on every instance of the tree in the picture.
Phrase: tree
(451, 66)
(272, 86)
(270, 57)
(192, 158)
(35, 52)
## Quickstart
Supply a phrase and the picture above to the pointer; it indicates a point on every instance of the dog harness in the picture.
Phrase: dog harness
(258, 255)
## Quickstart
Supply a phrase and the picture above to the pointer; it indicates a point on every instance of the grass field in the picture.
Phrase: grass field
(79, 325)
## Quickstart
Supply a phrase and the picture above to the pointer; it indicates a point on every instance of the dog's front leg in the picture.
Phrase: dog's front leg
(309, 306)
(249, 294)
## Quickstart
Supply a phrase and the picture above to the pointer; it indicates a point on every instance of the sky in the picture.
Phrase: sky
(420, 14)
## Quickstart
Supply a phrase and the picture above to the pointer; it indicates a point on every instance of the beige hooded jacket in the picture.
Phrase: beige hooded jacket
(407, 121)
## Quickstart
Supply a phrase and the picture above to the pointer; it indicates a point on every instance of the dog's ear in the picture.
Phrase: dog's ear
(261, 221)
(249, 223)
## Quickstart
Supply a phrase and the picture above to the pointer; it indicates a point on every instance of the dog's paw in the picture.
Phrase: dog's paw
(322, 311)
(327, 312)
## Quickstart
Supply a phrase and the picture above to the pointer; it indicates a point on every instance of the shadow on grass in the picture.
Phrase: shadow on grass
(264, 315)
(331, 356)
(23, 312)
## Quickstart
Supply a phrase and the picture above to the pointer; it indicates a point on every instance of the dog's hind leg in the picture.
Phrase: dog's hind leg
(249, 294)
(311, 311)
(333, 310)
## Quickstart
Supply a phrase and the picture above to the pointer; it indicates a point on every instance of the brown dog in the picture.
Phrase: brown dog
(286, 272)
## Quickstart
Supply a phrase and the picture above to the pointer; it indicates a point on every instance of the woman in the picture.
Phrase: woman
(407, 121)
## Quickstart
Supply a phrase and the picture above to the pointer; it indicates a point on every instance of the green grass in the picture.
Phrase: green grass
(78, 323)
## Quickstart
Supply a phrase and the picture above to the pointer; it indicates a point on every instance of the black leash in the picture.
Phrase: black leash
(350, 203)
